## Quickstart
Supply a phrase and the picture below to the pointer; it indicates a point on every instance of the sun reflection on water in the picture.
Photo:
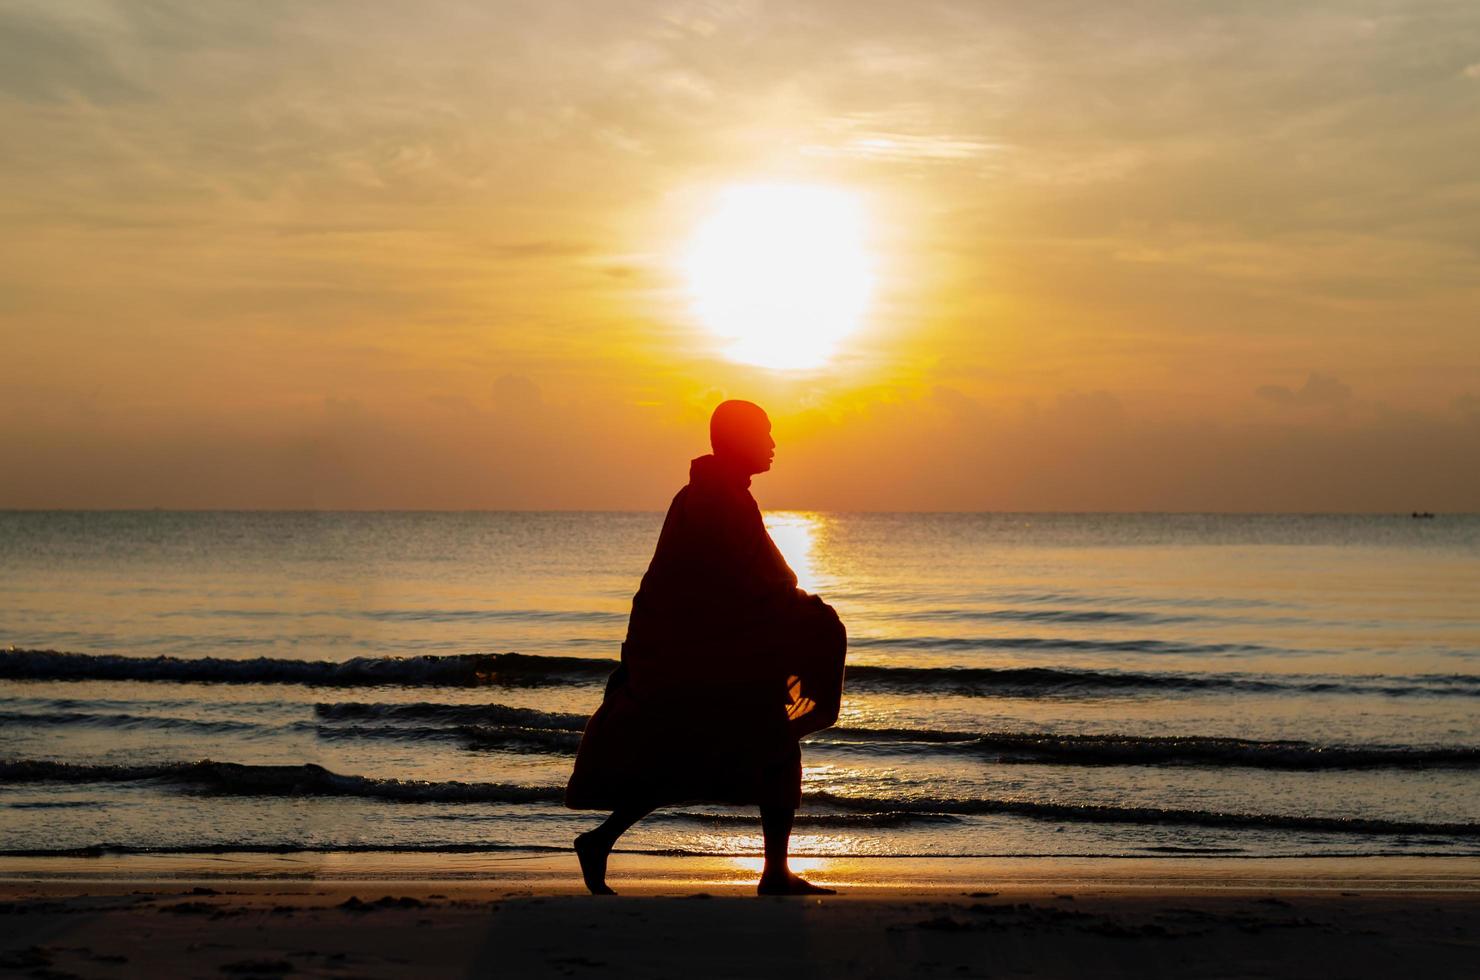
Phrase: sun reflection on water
(800, 865)
(795, 533)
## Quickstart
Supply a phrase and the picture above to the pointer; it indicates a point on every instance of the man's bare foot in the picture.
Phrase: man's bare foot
(593, 863)
(790, 885)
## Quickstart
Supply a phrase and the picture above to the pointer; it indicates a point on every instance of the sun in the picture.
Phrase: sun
(780, 273)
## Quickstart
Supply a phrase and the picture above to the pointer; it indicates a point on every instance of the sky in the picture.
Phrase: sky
(1127, 257)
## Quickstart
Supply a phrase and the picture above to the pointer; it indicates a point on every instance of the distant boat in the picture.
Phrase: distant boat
(1424, 516)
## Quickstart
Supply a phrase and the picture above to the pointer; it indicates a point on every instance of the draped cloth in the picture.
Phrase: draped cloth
(725, 666)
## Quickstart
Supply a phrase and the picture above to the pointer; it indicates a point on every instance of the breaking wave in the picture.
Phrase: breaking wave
(125, 721)
(524, 729)
(452, 714)
(1130, 750)
(457, 670)
(311, 780)
(1103, 813)
(236, 779)
(523, 670)
(1053, 643)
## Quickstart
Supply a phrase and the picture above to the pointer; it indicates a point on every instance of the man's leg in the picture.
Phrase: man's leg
(595, 846)
(776, 876)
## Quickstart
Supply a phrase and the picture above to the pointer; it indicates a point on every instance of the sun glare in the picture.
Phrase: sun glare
(795, 535)
(780, 273)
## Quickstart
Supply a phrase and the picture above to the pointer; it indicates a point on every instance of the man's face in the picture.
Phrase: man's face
(762, 450)
(750, 445)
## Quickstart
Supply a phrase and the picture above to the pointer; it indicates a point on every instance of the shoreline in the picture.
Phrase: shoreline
(557, 872)
(527, 916)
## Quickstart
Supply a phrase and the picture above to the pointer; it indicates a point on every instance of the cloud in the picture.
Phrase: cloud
(516, 392)
(541, 250)
(46, 59)
(954, 401)
(904, 146)
(1319, 390)
(1090, 406)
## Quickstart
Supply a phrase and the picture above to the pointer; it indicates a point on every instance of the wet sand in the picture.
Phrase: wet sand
(525, 916)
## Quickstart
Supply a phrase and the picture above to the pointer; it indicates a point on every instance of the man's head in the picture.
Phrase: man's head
(741, 436)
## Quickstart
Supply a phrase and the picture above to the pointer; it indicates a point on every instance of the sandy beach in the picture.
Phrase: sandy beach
(525, 916)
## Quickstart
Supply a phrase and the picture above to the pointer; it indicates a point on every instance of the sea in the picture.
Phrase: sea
(1127, 685)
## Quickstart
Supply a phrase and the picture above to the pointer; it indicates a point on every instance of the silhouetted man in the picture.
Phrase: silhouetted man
(726, 665)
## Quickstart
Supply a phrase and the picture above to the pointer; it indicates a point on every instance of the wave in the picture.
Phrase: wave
(1000, 747)
(1041, 616)
(526, 729)
(474, 726)
(506, 738)
(237, 779)
(1041, 681)
(1054, 643)
(124, 720)
(454, 714)
(1105, 813)
(282, 847)
(495, 615)
(455, 670)
(882, 818)
(1133, 750)
(309, 780)
(408, 615)
(524, 670)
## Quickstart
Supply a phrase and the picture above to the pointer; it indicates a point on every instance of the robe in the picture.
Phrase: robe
(725, 666)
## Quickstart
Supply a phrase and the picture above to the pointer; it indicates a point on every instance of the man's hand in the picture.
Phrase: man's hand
(798, 705)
